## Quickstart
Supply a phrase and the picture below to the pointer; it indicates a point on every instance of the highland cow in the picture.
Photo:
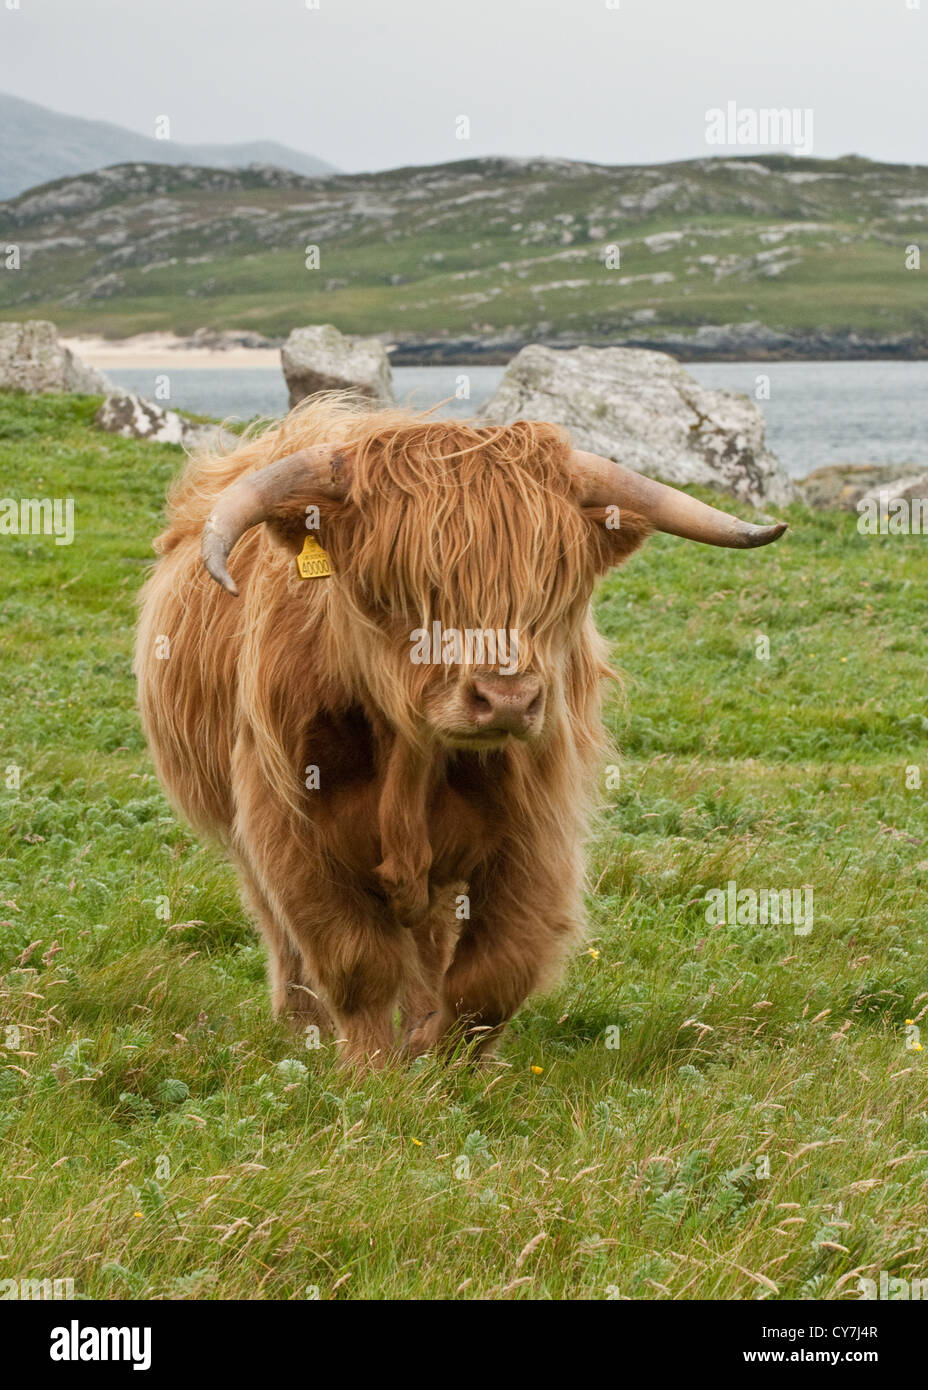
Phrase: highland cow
(408, 833)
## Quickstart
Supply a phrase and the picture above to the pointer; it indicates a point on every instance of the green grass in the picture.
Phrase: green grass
(161, 1137)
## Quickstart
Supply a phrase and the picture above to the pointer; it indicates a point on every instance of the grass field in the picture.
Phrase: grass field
(759, 1132)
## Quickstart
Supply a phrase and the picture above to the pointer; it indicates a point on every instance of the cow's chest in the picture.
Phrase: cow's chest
(460, 817)
(462, 829)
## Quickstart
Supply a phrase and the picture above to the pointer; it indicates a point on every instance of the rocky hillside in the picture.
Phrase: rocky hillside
(769, 256)
(38, 144)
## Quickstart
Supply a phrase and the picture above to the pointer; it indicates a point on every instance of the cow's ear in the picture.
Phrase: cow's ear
(616, 533)
(291, 522)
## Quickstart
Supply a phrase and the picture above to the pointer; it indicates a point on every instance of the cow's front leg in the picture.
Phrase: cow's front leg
(349, 943)
(359, 955)
(421, 999)
(524, 915)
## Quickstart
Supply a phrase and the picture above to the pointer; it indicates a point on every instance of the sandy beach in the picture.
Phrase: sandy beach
(154, 350)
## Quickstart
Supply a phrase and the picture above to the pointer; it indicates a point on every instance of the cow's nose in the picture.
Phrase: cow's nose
(506, 704)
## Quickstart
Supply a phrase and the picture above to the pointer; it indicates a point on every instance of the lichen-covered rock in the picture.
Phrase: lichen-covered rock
(131, 416)
(32, 360)
(645, 411)
(913, 487)
(842, 485)
(322, 359)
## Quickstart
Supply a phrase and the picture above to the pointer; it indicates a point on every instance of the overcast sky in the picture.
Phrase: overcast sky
(371, 84)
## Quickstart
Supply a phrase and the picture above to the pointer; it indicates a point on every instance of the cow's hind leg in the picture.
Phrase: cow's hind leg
(294, 997)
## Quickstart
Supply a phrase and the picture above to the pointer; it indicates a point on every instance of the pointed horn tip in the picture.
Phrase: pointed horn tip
(763, 535)
(218, 571)
(214, 553)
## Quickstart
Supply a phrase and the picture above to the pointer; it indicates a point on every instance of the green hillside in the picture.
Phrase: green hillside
(492, 249)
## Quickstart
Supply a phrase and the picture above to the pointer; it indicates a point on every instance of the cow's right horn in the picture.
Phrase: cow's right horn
(258, 496)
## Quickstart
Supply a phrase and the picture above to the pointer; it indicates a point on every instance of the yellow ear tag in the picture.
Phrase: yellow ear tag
(312, 561)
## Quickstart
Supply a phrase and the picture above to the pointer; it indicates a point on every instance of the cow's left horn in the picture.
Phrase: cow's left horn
(602, 483)
(257, 496)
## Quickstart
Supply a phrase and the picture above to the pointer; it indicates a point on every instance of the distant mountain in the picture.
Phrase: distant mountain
(37, 145)
(764, 257)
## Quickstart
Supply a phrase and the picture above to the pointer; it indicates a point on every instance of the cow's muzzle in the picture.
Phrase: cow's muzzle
(498, 705)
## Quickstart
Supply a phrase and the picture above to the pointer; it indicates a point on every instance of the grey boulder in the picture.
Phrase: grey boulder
(322, 359)
(644, 410)
(843, 486)
(132, 417)
(912, 488)
(32, 360)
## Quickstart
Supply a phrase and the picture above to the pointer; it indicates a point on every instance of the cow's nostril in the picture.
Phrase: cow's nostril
(510, 704)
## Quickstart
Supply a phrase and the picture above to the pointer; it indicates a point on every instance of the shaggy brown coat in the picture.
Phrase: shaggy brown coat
(418, 875)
